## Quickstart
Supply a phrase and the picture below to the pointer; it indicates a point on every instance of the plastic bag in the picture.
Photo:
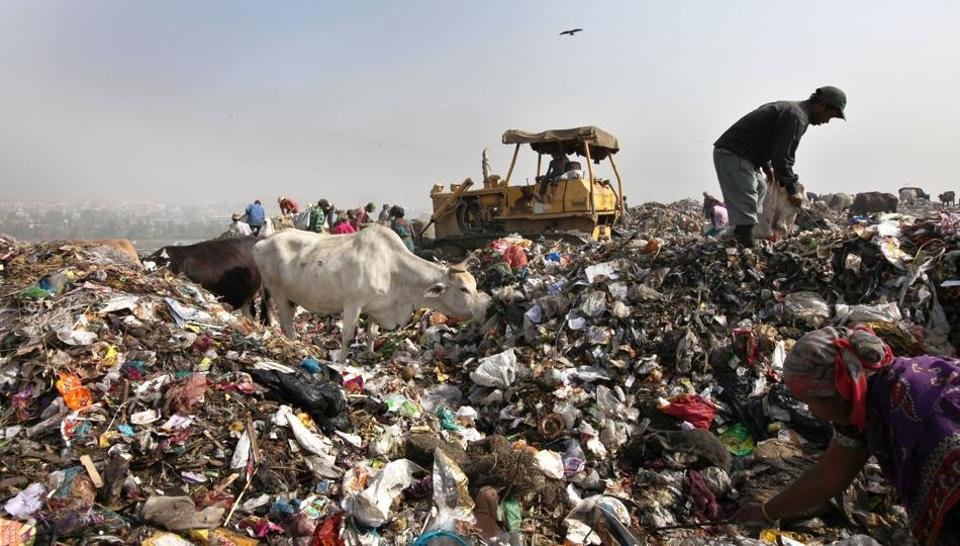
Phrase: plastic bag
(165, 539)
(307, 440)
(856, 540)
(550, 463)
(74, 393)
(241, 454)
(599, 335)
(448, 421)
(687, 348)
(607, 509)
(327, 533)
(639, 293)
(594, 303)
(691, 408)
(610, 405)
(801, 419)
(777, 216)
(450, 493)
(180, 514)
(401, 405)
(499, 370)
(371, 507)
(27, 502)
(606, 270)
(738, 440)
(441, 395)
(515, 256)
(806, 307)
(322, 397)
(621, 311)
(855, 314)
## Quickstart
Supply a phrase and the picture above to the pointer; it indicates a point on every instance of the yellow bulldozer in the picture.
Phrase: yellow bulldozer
(567, 201)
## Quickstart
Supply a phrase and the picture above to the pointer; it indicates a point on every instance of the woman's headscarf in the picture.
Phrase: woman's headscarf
(835, 362)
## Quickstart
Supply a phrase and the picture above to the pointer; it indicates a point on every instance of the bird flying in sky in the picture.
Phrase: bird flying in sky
(571, 32)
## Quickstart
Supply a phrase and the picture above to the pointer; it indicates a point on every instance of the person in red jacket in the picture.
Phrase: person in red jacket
(288, 205)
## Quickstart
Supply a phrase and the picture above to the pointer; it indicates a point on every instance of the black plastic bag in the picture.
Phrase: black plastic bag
(322, 398)
(802, 420)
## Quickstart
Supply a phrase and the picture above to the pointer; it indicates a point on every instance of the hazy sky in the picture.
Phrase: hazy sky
(356, 101)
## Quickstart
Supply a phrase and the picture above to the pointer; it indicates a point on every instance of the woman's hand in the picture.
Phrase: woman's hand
(751, 512)
(829, 477)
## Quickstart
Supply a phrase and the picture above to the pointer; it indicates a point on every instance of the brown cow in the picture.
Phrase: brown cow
(123, 248)
(222, 266)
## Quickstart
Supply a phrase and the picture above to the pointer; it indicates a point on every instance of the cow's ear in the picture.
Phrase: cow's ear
(435, 290)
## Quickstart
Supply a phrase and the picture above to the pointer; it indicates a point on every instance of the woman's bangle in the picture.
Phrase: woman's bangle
(763, 510)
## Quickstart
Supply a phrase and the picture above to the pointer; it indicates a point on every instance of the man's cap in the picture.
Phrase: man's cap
(371, 206)
(831, 96)
(236, 216)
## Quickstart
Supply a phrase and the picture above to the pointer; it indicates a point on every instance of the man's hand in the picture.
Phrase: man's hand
(795, 200)
(768, 172)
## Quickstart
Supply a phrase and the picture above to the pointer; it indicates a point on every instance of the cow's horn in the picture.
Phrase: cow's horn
(470, 260)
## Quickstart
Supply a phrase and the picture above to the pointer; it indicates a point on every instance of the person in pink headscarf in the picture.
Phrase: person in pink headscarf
(343, 226)
(904, 411)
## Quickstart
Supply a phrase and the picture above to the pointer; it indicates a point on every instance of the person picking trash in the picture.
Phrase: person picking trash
(767, 139)
(904, 411)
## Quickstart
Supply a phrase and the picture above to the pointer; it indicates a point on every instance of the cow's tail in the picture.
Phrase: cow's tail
(265, 306)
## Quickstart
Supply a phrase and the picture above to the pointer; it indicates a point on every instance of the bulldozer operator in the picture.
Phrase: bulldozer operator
(558, 166)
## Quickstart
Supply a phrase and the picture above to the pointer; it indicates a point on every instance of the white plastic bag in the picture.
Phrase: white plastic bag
(499, 370)
(550, 463)
(806, 307)
(371, 506)
(307, 440)
(450, 493)
(881, 312)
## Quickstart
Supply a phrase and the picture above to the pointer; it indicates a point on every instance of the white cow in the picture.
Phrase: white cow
(369, 272)
(908, 195)
(838, 201)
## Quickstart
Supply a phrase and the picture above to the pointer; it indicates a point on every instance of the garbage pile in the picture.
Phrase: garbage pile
(618, 393)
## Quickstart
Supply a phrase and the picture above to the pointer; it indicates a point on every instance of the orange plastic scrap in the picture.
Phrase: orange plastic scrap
(74, 393)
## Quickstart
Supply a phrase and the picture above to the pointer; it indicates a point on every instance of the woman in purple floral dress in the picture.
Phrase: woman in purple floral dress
(904, 411)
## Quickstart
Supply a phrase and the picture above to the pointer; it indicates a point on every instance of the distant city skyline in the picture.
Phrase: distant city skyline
(181, 101)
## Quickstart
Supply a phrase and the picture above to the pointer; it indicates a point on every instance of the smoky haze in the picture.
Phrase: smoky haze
(185, 101)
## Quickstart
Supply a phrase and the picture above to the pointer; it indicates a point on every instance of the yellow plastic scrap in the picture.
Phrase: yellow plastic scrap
(307, 420)
(110, 359)
(221, 537)
(204, 365)
(108, 437)
(784, 538)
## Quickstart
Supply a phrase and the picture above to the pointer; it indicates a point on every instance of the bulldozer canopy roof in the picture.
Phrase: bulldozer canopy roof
(567, 141)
